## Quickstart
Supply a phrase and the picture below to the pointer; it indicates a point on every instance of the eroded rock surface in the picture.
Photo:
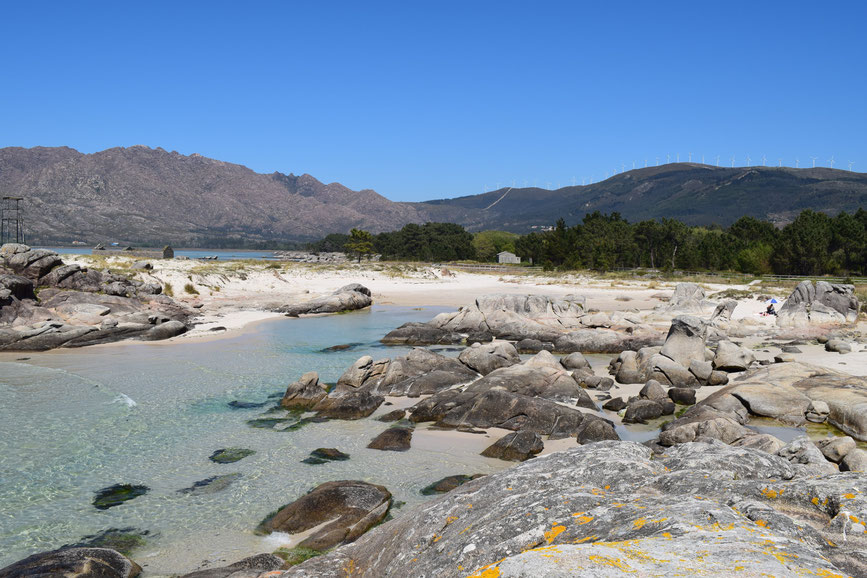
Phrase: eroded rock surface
(46, 304)
(609, 508)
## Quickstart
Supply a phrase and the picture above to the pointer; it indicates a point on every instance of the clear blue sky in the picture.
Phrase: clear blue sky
(438, 99)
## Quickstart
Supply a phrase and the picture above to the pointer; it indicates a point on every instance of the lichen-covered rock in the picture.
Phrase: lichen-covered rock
(611, 509)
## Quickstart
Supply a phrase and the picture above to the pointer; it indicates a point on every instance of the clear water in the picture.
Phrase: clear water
(222, 254)
(75, 421)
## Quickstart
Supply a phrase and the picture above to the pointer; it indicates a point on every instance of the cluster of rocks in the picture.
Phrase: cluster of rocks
(537, 322)
(324, 257)
(819, 303)
(347, 298)
(45, 304)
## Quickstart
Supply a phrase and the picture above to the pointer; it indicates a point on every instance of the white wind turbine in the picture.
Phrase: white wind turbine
(645, 163)
(702, 159)
(797, 163)
(764, 160)
(749, 160)
(814, 161)
(831, 161)
(574, 180)
(623, 167)
(657, 161)
(780, 161)
(733, 161)
(850, 165)
(633, 165)
(668, 158)
(678, 157)
(690, 157)
(717, 160)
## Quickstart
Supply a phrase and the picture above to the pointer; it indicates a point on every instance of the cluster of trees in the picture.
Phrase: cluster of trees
(813, 244)
(428, 242)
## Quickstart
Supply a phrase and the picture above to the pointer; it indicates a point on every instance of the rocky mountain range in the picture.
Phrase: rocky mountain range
(139, 195)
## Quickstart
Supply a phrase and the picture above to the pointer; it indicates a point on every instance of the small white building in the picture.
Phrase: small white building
(507, 257)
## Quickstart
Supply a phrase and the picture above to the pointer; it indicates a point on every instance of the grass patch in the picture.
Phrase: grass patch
(168, 289)
(295, 556)
(191, 289)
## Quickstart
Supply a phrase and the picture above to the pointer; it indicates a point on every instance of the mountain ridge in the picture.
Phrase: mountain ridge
(143, 195)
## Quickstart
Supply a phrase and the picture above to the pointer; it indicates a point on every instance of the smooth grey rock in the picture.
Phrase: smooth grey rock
(596, 430)
(779, 401)
(74, 563)
(515, 447)
(854, 461)
(822, 303)
(642, 410)
(686, 340)
(838, 346)
(415, 333)
(485, 358)
(304, 393)
(730, 357)
(614, 404)
(802, 451)
(836, 448)
(653, 390)
(348, 298)
(817, 412)
(669, 372)
(544, 359)
(395, 439)
(543, 381)
(350, 405)
(497, 407)
(682, 395)
(574, 360)
(342, 511)
(419, 372)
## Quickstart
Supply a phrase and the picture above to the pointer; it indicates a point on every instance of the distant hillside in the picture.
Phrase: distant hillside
(693, 193)
(139, 195)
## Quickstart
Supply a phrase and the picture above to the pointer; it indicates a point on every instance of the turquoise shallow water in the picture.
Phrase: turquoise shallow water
(75, 421)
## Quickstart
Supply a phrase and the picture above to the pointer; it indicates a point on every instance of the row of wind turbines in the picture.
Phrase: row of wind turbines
(589, 180)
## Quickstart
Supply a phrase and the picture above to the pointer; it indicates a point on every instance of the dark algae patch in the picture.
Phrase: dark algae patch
(124, 540)
(211, 485)
(230, 455)
(295, 556)
(117, 494)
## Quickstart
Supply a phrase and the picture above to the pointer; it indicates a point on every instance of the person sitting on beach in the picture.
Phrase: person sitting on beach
(770, 310)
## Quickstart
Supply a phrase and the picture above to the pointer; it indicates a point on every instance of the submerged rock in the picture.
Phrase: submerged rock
(230, 455)
(117, 494)
(211, 485)
(123, 540)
